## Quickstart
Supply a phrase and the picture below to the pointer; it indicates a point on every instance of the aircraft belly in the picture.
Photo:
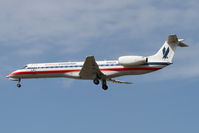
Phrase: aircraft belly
(122, 73)
(74, 75)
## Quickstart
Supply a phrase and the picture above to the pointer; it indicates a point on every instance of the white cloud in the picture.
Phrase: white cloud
(40, 26)
(78, 19)
(86, 19)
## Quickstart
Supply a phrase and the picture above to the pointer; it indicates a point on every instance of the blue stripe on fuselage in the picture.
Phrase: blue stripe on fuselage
(158, 63)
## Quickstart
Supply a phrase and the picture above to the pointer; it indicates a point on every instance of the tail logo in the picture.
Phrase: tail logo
(165, 53)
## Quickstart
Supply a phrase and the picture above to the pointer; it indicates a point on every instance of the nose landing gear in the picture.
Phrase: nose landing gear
(18, 84)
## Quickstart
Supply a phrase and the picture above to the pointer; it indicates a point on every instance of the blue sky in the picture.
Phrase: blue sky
(66, 30)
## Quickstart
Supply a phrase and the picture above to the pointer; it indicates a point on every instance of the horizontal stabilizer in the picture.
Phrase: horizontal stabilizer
(118, 81)
(172, 39)
(181, 44)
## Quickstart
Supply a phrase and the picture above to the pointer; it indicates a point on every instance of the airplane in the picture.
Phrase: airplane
(102, 70)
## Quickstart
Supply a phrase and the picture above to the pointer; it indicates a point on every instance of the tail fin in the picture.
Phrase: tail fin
(167, 51)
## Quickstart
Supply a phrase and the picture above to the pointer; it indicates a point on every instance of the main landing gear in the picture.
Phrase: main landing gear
(104, 84)
(18, 84)
(96, 81)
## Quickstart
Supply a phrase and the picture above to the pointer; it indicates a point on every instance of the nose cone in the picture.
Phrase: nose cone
(9, 75)
(13, 76)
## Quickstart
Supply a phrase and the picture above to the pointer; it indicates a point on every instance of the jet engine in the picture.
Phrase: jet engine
(132, 60)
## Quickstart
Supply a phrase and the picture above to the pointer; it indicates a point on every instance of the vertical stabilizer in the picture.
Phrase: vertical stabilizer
(167, 51)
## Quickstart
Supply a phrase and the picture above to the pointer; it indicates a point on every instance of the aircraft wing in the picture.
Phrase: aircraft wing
(90, 69)
(118, 81)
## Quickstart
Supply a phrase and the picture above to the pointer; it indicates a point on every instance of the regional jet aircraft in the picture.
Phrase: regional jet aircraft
(102, 70)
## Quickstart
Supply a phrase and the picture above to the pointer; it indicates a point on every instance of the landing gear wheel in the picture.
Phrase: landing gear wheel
(105, 87)
(18, 85)
(96, 81)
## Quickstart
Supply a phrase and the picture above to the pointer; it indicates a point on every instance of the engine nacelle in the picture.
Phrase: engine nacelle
(132, 60)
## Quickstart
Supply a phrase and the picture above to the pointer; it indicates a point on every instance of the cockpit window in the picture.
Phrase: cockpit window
(24, 67)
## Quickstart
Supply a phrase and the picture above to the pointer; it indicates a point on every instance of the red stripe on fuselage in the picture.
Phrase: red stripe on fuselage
(67, 71)
(43, 72)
